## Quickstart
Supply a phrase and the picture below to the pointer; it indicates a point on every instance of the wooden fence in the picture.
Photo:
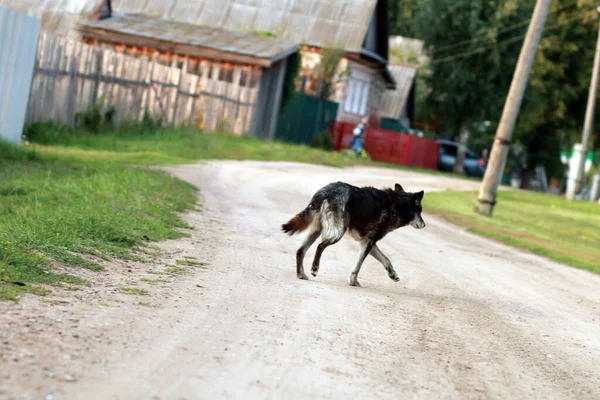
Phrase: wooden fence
(70, 77)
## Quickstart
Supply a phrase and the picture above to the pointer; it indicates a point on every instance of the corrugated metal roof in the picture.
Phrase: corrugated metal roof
(58, 17)
(394, 100)
(314, 22)
(251, 45)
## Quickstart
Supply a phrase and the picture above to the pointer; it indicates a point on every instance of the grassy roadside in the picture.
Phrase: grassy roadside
(58, 208)
(69, 194)
(566, 232)
(179, 146)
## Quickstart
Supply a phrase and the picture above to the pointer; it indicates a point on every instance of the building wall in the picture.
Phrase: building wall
(19, 35)
(362, 94)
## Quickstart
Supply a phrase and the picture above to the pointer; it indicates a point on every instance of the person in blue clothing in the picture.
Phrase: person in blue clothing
(358, 143)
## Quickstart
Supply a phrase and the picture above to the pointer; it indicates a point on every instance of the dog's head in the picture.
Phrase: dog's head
(412, 208)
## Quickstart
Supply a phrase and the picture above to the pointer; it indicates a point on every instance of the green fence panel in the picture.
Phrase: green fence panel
(298, 123)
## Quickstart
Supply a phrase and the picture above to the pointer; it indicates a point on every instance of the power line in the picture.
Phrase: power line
(503, 42)
(503, 30)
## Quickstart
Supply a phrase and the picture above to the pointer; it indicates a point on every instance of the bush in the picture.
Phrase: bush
(46, 132)
(323, 140)
(91, 119)
(10, 152)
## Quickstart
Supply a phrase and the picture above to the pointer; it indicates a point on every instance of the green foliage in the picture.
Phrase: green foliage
(325, 73)
(46, 132)
(90, 119)
(554, 106)
(470, 88)
(401, 17)
(473, 88)
(323, 140)
(400, 55)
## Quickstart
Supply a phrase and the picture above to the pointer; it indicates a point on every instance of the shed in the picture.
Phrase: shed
(360, 27)
(258, 60)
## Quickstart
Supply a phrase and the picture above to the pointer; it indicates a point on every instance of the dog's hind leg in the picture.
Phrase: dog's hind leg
(320, 248)
(334, 228)
(302, 252)
(387, 264)
(365, 248)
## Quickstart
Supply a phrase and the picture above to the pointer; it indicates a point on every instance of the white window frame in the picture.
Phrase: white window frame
(357, 95)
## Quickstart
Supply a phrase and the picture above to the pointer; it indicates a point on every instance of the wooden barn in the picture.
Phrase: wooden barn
(360, 27)
(238, 69)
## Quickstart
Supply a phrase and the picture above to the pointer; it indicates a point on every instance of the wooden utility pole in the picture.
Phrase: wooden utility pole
(576, 177)
(495, 168)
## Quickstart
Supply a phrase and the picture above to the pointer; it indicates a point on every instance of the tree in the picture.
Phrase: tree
(554, 106)
(401, 17)
(468, 82)
(325, 75)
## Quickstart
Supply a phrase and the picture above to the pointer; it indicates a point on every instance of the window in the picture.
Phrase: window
(357, 96)
(449, 149)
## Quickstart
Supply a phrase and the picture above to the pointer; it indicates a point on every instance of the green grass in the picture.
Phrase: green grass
(174, 271)
(187, 262)
(153, 281)
(180, 146)
(135, 291)
(60, 208)
(566, 232)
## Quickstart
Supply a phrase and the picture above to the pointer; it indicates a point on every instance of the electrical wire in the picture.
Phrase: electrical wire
(503, 30)
(503, 42)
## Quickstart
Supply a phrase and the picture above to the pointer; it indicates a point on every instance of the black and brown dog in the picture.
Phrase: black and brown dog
(367, 213)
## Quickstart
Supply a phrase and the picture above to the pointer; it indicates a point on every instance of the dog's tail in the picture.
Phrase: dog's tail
(300, 221)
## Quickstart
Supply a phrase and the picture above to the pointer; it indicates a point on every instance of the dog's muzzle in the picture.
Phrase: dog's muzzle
(417, 222)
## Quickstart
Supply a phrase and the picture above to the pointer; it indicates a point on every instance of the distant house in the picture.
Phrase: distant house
(406, 55)
(245, 60)
(359, 26)
(241, 32)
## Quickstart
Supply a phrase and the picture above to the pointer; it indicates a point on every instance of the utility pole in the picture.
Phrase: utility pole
(576, 177)
(493, 173)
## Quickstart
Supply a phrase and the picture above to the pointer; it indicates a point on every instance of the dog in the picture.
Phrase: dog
(367, 213)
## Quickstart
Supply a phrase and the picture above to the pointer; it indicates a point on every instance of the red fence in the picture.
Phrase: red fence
(389, 146)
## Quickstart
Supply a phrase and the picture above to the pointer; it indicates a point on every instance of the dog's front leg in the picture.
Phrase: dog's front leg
(387, 264)
(365, 248)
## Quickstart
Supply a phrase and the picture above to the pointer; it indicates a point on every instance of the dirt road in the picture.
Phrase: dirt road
(470, 318)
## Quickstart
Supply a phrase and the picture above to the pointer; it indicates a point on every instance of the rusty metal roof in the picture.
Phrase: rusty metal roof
(315, 22)
(395, 100)
(267, 49)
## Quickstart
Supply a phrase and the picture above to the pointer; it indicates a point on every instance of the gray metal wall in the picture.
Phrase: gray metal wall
(19, 36)
(264, 123)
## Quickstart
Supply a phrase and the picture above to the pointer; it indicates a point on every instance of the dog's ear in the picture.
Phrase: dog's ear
(398, 188)
(418, 196)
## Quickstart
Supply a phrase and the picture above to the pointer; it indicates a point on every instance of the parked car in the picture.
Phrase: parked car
(473, 165)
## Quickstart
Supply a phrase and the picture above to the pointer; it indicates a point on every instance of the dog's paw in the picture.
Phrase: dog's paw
(302, 276)
(354, 282)
(395, 277)
(314, 271)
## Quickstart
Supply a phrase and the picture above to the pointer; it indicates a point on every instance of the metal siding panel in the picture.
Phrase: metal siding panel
(19, 36)
(395, 100)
